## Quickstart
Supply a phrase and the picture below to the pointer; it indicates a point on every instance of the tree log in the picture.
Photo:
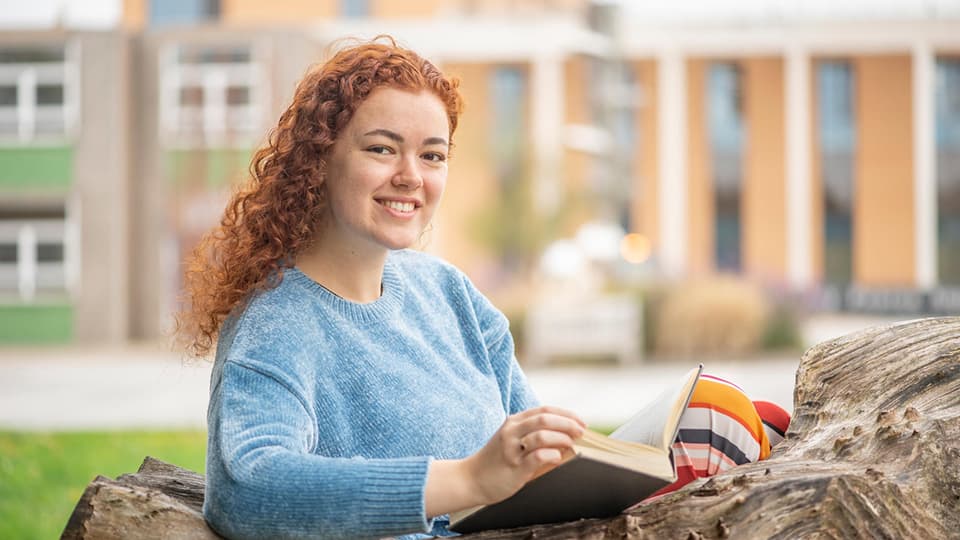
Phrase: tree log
(873, 451)
(159, 501)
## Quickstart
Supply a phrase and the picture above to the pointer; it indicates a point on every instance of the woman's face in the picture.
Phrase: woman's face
(386, 171)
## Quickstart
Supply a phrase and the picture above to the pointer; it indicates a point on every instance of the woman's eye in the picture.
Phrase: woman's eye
(435, 156)
(380, 150)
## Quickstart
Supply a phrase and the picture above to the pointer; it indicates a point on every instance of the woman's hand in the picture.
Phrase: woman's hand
(526, 445)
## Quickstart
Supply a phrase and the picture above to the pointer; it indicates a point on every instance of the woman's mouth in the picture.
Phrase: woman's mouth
(404, 207)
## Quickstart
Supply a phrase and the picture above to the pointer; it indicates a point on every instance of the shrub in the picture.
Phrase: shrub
(782, 331)
(719, 315)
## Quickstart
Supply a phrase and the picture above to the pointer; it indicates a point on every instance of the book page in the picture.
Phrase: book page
(656, 423)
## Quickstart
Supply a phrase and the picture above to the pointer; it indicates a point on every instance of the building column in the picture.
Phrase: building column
(924, 165)
(798, 155)
(672, 160)
(101, 187)
(547, 120)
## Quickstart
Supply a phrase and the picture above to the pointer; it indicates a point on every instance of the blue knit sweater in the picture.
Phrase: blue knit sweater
(324, 414)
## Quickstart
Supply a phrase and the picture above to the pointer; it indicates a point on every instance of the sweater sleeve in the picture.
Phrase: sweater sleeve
(515, 390)
(263, 480)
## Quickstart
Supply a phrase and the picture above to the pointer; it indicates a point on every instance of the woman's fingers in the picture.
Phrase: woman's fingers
(536, 440)
(526, 445)
(548, 422)
(544, 456)
(528, 433)
(549, 409)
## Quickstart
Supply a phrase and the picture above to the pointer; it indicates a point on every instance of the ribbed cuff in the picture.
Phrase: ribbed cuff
(393, 495)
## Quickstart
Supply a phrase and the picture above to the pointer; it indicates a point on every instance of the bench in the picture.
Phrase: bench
(603, 326)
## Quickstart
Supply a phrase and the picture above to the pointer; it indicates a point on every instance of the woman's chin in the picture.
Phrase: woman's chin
(399, 242)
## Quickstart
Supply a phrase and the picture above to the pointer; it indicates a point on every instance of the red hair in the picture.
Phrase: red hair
(272, 218)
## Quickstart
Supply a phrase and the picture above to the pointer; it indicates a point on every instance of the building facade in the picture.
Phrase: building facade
(816, 156)
(819, 156)
(64, 187)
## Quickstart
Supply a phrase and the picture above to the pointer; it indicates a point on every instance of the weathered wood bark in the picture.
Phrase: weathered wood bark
(159, 501)
(873, 451)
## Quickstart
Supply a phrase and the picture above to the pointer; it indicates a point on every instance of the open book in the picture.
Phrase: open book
(604, 476)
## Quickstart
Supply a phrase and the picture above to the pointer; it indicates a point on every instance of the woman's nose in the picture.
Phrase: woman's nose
(408, 175)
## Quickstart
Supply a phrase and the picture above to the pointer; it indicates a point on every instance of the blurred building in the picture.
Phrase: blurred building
(816, 151)
(64, 187)
(810, 148)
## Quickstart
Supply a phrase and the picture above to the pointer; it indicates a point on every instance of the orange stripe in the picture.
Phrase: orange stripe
(753, 430)
(720, 397)
(726, 399)
(705, 376)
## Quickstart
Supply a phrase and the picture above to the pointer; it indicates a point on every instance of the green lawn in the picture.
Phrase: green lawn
(42, 475)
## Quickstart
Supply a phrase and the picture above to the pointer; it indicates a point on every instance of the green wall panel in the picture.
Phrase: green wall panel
(36, 169)
(212, 168)
(22, 324)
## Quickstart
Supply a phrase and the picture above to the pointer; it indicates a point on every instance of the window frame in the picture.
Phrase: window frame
(218, 123)
(28, 280)
(27, 78)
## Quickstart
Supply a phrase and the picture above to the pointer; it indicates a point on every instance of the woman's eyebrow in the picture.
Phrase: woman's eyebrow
(394, 136)
(386, 133)
(435, 140)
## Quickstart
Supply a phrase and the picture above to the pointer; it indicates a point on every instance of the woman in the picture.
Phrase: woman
(359, 389)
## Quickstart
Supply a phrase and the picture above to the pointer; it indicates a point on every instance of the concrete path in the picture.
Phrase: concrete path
(76, 388)
(146, 387)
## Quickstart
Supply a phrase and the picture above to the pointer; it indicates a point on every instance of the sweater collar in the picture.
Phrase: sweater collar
(390, 301)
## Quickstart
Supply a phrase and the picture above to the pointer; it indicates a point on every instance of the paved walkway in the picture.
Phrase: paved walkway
(80, 388)
(146, 387)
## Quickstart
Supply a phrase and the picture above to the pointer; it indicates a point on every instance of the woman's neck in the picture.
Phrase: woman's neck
(348, 273)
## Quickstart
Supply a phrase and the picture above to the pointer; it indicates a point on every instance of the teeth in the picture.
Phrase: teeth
(399, 206)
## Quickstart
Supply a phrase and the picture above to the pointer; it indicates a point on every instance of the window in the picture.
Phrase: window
(837, 141)
(355, 8)
(167, 12)
(948, 169)
(509, 88)
(625, 114)
(33, 252)
(726, 133)
(611, 94)
(211, 96)
(37, 93)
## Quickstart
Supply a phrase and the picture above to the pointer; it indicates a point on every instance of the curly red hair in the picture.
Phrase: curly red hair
(272, 218)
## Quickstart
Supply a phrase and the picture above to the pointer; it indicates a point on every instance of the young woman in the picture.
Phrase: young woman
(360, 389)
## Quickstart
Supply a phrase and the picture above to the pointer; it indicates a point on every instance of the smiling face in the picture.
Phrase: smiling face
(386, 172)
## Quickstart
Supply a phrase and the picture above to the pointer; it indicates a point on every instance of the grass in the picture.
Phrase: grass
(42, 475)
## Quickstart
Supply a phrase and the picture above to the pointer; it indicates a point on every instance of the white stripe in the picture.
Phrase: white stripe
(723, 425)
(772, 435)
